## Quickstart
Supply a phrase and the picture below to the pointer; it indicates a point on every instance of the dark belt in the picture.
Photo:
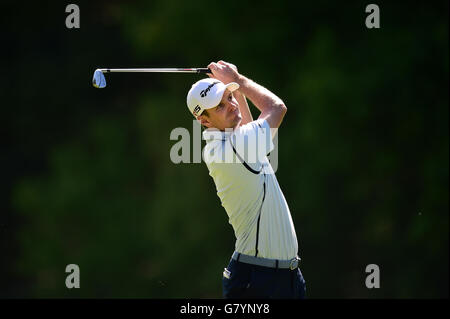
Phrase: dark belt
(266, 262)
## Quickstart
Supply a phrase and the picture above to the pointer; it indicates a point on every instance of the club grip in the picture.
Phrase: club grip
(203, 70)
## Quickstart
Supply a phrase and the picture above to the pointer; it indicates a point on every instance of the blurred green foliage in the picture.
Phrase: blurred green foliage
(363, 149)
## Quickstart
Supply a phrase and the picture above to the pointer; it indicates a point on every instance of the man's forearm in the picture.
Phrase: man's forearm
(261, 97)
(243, 107)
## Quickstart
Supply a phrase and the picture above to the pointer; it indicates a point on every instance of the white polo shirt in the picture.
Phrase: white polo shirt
(249, 191)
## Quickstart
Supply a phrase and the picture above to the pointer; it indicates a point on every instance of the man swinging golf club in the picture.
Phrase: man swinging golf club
(265, 263)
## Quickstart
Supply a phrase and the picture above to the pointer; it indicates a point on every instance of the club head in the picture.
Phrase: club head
(98, 80)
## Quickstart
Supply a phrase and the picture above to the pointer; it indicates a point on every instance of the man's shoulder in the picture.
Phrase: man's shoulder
(253, 126)
(253, 141)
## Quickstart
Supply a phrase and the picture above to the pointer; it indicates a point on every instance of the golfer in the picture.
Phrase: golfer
(265, 263)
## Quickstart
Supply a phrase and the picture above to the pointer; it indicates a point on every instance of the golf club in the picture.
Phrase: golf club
(99, 81)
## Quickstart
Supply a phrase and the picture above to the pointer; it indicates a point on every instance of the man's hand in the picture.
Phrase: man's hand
(224, 71)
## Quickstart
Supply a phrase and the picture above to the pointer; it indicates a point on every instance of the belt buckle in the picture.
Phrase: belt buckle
(294, 263)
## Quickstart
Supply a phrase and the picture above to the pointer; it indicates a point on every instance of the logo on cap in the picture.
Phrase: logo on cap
(196, 110)
(204, 92)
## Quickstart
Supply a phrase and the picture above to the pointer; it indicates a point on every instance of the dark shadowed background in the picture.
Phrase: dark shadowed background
(87, 175)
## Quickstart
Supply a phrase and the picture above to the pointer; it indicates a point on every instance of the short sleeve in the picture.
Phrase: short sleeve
(253, 141)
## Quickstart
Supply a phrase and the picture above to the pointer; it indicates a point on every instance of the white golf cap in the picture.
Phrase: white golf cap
(206, 94)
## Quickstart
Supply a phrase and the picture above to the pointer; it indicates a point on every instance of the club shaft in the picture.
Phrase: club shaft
(163, 70)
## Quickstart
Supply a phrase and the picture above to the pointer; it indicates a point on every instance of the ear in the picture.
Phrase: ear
(204, 121)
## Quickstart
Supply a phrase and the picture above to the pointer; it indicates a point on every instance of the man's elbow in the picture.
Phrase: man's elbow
(280, 112)
(282, 109)
(276, 115)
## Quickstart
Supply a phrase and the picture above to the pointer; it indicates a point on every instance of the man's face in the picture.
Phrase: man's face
(226, 115)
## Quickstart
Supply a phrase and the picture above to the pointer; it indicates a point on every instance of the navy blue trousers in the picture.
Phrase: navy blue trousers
(251, 281)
